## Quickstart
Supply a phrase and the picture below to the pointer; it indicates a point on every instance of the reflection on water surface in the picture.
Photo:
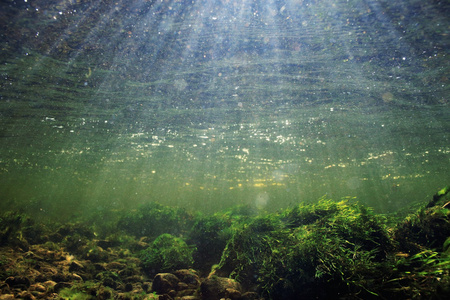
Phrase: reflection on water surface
(210, 104)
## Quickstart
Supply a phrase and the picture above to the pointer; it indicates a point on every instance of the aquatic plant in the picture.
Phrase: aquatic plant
(327, 247)
(74, 294)
(424, 275)
(167, 253)
(426, 229)
(210, 235)
(153, 219)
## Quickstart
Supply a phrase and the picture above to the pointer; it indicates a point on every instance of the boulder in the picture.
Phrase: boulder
(215, 287)
(164, 283)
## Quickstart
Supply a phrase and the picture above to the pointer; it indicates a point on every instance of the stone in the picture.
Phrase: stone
(214, 287)
(76, 266)
(18, 281)
(61, 285)
(232, 294)
(249, 296)
(164, 283)
(38, 287)
(188, 277)
(25, 295)
(190, 298)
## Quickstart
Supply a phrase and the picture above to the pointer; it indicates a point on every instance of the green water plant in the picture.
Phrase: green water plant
(167, 253)
(73, 294)
(428, 228)
(153, 219)
(326, 248)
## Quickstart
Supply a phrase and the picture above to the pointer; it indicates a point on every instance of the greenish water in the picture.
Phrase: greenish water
(211, 104)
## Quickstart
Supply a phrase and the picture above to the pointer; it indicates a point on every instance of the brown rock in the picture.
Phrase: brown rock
(49, 284)
(214, 287)
(250, 296)
(38, 287)
(186, 293)
(182, 286)
(18, 281)
(76, 266)
(146, 286)
(189, 277)
(164, 283)
(104, 294)
(61, 285)
(232, 294)
(76, 277)
(124, 296)
(60, 277)
(190, 298)
(25, 295)
(115, 266)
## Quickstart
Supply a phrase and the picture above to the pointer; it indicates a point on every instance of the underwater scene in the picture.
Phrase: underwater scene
(224, 149)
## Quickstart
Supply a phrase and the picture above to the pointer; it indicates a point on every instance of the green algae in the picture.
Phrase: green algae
(167, 253)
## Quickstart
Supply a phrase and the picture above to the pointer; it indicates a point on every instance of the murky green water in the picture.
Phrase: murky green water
(210, 104)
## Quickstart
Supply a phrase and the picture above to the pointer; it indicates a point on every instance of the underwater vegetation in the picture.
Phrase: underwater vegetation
(307, 251)
(167, 253)
(326, 250)
(153, 219)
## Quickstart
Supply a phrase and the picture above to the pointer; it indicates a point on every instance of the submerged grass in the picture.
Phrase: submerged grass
(324, 250)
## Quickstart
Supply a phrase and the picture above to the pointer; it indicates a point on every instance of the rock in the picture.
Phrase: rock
(232, 294)
(250, 296)
(164, 283)
(100, 267)
(124, 296)
(134, 278)
(76, 266)
(182, 286)
(109, 282)
(49, 284)
(77, 277)
(186, 293)
(104, 294)
(214, 287)
(96, 254)
(147, 286)
(188, 277)
(18, 281)
(7, 297)
(190, 298)
(25, 295)
(61, 285)
(107, 243)
(115, 266)
(128, 287)
(60, 277)
(38, 287)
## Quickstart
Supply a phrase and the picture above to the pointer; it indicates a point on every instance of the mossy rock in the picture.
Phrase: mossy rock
(167, 253)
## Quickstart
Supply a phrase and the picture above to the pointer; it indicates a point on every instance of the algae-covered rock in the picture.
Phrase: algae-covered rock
(167, 253)
(215, 287)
